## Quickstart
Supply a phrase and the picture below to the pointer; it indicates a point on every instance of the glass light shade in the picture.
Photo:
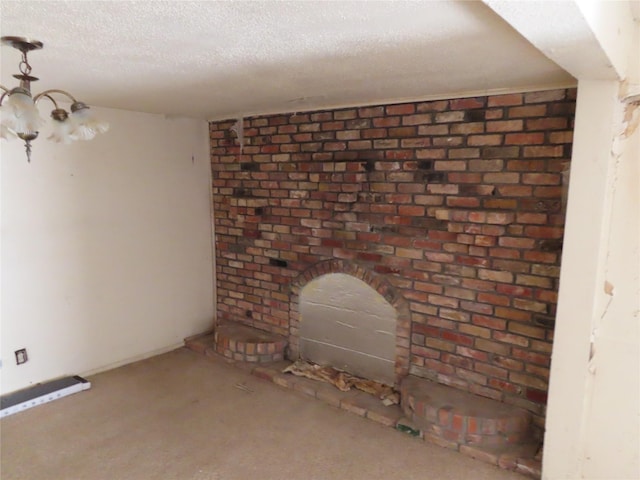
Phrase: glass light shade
(6, 133)
(20, 114)
(87, 126)
(62, 131)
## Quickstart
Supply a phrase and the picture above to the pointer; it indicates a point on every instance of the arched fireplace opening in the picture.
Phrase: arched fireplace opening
(347, 317)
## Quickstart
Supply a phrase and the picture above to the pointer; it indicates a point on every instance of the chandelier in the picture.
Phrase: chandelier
(19, 116)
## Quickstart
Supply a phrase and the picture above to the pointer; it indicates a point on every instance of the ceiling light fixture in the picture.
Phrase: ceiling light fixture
(19, 115)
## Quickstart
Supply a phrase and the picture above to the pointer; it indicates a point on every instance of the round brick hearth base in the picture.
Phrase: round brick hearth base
(462, 418)
(247, 344)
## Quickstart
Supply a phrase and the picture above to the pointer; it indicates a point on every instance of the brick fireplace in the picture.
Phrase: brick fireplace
(451, 210)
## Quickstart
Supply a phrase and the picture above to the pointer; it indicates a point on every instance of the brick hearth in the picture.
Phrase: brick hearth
(484, 429)
(246, 344)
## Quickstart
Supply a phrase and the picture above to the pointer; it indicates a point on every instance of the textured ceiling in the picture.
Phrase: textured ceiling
(225, 59)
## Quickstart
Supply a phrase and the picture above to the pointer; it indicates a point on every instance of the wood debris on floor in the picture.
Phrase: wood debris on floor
(343, 381)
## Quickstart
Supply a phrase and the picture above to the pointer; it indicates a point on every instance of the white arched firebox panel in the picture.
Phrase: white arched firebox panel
(347, 324)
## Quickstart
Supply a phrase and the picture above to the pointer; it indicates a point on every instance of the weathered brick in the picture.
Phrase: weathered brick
(386, 122)
(505, 100)
(358, 144)
(455, 153)
(541, 178)
(524, 138)
(528, 380)
(526, 330)
(419, 119)
(461, 178)
(529, 111)
(531, 357)
(475, 332)
(402, 132)
(466, 128)
(501, 177)
(466, 103)
(534, 281)
(448, 117)
(454, 205)
(544, 96)
(543, 151)
(516, 242)
(471, 376)
(541, 372)
(457, 338)
(508, 363)
(491, 370)
(511, 339)
(495, 275)
(493, 299)
(449, 165)
(491, 346)
(561, 137)
(500, 218)
(505, 126)
(547, 123)
(486, 165)
(482, 140)
(403, 109)
(530, 305)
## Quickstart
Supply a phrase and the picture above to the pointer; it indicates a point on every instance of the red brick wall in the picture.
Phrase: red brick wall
(458, 204)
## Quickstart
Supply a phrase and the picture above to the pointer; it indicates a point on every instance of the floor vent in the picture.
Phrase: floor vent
(42, 393)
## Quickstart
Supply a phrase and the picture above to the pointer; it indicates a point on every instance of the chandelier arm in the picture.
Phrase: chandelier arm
(47, 93)
(6, 91)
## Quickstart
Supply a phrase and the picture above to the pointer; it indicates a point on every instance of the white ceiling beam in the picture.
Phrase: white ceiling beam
(590, 39)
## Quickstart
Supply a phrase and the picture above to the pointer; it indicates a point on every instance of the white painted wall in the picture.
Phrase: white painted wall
(612, 431)
(106, 247)
(593, 417)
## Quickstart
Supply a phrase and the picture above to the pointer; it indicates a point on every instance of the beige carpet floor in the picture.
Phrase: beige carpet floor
(183, 416)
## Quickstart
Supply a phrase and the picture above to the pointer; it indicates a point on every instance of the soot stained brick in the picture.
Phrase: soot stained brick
(457, 204)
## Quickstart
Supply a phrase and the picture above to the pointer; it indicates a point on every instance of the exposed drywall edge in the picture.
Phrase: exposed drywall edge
(611, 441)
(603, 298)
(394, 100)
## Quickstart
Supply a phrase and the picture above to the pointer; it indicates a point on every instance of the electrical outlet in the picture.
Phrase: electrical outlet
(21, 356)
